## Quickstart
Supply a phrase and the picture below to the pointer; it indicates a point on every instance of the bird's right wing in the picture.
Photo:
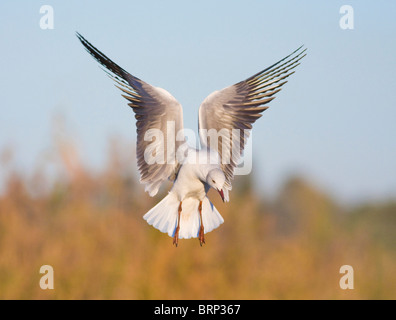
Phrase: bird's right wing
(159, 120)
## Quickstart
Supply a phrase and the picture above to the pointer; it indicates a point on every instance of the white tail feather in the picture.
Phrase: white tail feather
(164, 216)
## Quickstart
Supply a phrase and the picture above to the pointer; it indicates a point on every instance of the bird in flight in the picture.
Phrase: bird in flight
(225, 120)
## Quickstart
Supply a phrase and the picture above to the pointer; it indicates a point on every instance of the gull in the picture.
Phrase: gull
(186, 212)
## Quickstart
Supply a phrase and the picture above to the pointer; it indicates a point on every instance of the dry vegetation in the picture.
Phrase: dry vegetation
(89, 227)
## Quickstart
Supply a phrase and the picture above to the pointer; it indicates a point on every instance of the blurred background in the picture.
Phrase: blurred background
(322, 192)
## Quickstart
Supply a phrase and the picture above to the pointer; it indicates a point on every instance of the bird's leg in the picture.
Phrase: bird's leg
(176, 236)
(201, 236)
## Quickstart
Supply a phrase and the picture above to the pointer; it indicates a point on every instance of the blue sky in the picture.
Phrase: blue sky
(334, 122)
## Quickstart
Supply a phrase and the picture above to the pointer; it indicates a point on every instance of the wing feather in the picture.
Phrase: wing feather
(154, 108)
(237, 107)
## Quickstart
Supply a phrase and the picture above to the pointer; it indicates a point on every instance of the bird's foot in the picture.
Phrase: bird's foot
(201, 236)
(176, 238)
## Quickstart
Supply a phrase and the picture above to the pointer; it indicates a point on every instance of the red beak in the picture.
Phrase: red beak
(221, 194)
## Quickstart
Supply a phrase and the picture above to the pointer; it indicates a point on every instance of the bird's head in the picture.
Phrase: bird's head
(216, 180)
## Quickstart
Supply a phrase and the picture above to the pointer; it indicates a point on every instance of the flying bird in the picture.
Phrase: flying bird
(225, 120)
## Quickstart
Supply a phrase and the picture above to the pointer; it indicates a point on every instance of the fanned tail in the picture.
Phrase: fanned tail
(164, 216)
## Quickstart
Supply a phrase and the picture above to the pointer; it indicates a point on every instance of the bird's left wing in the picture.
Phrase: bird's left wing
(226, 116)
(159, 122)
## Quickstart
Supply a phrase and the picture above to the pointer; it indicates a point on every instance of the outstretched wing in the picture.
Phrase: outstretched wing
(232, 111)
(156, 111)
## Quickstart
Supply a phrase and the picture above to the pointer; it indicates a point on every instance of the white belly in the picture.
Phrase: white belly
(188, 185)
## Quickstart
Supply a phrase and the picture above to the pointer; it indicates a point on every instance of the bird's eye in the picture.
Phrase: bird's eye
(213, 181)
